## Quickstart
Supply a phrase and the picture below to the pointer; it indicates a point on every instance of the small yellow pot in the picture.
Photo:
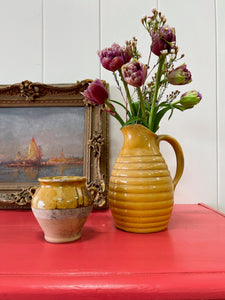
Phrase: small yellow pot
(61, 206)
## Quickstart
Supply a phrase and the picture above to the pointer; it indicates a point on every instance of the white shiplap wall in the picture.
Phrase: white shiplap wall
(21, 40)
(55, 41)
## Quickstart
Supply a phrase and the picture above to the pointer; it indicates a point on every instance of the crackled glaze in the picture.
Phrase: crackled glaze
(61, 192)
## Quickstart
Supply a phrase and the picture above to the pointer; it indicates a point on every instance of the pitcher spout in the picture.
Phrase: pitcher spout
(138, 138)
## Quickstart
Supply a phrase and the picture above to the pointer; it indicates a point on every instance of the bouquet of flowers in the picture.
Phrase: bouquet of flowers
(147, 103)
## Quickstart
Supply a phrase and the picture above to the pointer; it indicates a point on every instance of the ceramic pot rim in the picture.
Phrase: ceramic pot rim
(62, 179)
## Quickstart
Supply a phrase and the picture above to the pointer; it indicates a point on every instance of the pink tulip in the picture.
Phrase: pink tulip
(113, 58)
(134, 73)
(163, 39)
(96, 92)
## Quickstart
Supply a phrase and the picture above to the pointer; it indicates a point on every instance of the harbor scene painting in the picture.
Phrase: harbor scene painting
(41, 141)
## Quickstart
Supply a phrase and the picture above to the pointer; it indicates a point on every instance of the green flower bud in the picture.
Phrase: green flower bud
(190, 99)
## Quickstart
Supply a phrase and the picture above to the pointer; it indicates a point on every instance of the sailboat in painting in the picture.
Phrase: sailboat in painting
(33, 157)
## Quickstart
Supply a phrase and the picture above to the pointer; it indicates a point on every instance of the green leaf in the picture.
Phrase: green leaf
(172, 109)
(133, 120)
(159, 116)
(136, 107)
(164, 103)
(147, 106)
(127, 111)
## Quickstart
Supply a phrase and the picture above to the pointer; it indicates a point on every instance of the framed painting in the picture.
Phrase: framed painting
(50, 130)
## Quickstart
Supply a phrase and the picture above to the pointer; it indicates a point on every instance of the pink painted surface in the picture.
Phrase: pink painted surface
(187, 261)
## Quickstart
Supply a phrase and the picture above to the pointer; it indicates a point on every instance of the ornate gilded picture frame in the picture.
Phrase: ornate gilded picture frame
(50, 130)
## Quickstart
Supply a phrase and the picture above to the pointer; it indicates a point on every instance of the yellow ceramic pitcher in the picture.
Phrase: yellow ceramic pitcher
(141, 190)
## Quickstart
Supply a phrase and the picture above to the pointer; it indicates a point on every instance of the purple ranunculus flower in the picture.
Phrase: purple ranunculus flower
(179, 76)
(96, 92)
(163, 39)
(113, 58)
(134, 73)
(190, 99)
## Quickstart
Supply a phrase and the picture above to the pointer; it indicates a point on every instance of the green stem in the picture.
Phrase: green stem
(157, 85)
(142, 104)
(176, 102)
(164, 81)
(117, 116)
(127, 93)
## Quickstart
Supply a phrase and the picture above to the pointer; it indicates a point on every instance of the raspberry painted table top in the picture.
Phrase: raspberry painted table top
(186, 261)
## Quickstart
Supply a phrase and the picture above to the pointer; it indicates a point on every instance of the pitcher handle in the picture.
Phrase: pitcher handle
(179, 155)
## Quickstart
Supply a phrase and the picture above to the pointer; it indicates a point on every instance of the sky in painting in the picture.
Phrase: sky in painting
(53, 128)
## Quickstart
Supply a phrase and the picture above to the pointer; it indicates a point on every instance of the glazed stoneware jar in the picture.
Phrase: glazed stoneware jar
(141, 190)
(61, 206)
